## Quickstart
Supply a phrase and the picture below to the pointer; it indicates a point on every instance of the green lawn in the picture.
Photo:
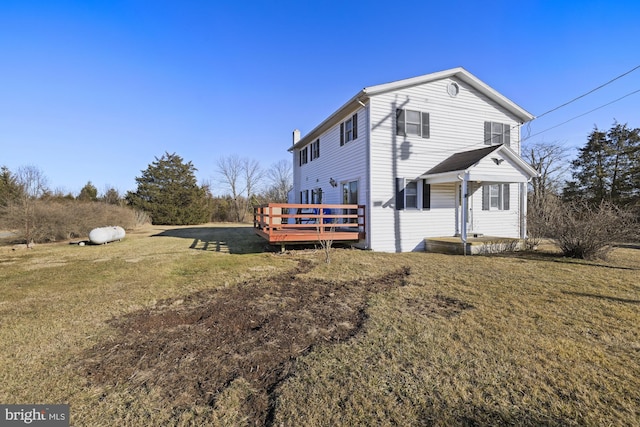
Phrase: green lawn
(201, 326)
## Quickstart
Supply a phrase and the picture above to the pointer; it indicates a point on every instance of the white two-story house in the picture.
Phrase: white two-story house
(434, 155)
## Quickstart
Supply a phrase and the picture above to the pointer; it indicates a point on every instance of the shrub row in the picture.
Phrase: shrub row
(48, 221)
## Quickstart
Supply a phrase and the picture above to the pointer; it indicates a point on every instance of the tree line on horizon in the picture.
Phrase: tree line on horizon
(604, 187)
(167, 193)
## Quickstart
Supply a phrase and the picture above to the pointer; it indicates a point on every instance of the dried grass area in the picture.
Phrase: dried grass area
(193, 348)
(190, 336)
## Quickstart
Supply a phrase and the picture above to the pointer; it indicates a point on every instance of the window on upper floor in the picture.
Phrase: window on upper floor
(497, 133)
(410, 122)
(304, 155)
(408, 191)
(349, 129)
(495, 197)
(315, 149)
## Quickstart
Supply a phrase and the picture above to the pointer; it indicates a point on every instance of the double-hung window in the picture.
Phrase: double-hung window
(316, 196)
(349, 129)
(412, 194)
(304, 196)
(315, 149)
(497, 133)
(495, 197)
(410, 122)
(304, 156)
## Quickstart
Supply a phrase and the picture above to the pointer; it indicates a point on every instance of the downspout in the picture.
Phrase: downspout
(368, 204)
(464, 215)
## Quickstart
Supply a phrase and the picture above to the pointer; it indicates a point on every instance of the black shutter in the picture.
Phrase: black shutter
(400, 193)
(487, 133)
(426, 195)
(505, 197)
(506, 135)
(355, 126)
(425, 125)
(400, 122)
(485, 197)
(341, 133)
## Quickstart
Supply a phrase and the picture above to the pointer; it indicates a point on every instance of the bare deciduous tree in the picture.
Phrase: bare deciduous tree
(242, 177)
(280, 182)
(21, 214)
(549, 159)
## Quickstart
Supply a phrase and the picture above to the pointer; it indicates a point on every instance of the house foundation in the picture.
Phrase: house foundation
(473, 246)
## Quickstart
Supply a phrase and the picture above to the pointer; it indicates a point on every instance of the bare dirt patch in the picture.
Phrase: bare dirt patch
(192, 348)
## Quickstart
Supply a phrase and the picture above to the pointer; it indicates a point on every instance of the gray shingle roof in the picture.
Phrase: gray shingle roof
(462, 161)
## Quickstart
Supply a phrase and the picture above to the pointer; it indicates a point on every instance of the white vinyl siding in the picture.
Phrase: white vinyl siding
(340, 163)
(381, 155)
(502, 223)
(456, 124)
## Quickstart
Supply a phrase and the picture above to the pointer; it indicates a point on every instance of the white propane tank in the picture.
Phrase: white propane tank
(102, 235)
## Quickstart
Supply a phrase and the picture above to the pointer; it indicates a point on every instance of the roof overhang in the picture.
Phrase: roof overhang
(464, 166)
(359, 100)
(362, 97)
(462, 75)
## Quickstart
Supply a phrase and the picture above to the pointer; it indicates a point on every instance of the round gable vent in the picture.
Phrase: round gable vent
(453, 89)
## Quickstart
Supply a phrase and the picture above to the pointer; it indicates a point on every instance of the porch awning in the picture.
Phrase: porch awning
(496, 163)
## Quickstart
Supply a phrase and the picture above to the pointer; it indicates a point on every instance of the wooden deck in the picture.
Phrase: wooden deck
(282, 223)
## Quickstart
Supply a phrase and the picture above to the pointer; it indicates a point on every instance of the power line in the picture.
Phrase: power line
(590, 92)
(583, 114)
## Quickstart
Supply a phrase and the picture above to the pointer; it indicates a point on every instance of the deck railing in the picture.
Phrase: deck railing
(291, 222)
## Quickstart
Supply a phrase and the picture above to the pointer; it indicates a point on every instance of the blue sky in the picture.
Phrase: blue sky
(95, 90)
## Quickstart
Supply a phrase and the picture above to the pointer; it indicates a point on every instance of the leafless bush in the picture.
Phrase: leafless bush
(585, 231)
(326, 229)
(62, 220)
(541, 213)
(499, 246)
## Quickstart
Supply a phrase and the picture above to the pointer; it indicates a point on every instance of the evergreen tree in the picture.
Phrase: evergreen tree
(111, 196)
(9, 187)
(624, 146)
(89, 193)
(168, 191)
(607, 167)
